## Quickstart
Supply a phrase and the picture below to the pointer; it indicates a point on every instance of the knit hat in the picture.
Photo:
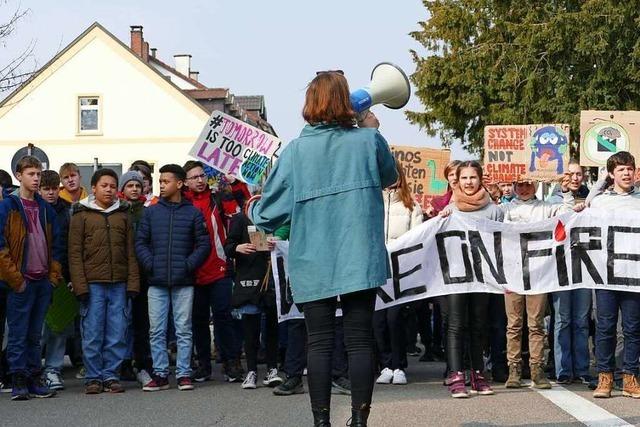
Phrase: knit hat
(130, 176)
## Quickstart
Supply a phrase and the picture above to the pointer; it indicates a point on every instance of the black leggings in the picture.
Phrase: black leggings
(472, 311)
(357, 319)
(251, 324)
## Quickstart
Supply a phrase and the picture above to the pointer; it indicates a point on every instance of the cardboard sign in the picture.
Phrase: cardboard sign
(526, 152)
(603, 133)
(423, 169)
(258, 238)
(236, 148)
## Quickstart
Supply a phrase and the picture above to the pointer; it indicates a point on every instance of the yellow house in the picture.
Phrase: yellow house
(100, 102)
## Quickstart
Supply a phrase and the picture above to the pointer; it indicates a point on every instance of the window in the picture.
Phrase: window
(87, 170)
(89, 114)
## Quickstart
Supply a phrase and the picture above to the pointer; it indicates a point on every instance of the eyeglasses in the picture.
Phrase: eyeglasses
(197, 177)
(329, 72)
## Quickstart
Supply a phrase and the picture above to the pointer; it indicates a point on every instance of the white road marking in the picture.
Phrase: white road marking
(585, 411)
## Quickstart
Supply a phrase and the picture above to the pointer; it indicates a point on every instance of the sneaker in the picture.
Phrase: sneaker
(112, 386)
(479, 384)
(81, 373)
(293, 385)
(93, 387)
(157, 383)
(185, 384)
(563, 379)
(201, 375)
(5, 387)
(38, 388)
(399, 377)
(19, 390)
(250, 380)
(143, 377)
(231, 374)
(456, 385)
(585, 379)
(126, 371)
(54, 381)
(341, 385)
(413, 351)
(272, 379)
(386, 376)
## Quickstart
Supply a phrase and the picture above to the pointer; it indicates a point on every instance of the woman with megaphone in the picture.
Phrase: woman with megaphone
(328, 184)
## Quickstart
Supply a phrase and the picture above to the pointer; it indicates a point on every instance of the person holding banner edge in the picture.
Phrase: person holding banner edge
(345, 169)
(470, 199)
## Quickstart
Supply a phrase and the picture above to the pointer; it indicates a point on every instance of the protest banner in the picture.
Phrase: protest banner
(594, 249)
(604, 133)
(526, 152)
(236, 148)
(424, 169)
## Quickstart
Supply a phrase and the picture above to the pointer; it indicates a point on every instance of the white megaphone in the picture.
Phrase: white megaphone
(389, 86)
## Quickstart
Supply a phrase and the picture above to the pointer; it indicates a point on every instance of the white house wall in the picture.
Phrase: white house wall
(142, 116)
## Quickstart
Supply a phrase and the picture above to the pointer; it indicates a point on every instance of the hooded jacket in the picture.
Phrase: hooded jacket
(14, 248)
(397, 218)
(171, 243)
(101, 246)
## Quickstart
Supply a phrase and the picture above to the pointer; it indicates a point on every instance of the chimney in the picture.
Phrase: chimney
(183, 64)
(145, 52)
(153, 52)
(194, 75)
(137, 42)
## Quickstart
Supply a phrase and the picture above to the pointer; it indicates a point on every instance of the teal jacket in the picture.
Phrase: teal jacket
(328, 184)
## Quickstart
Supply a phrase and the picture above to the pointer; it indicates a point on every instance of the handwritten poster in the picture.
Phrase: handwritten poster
(520, 152)
(424, 170)
(236, 148)
(603, 133)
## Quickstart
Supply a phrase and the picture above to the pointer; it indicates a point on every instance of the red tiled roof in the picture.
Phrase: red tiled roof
(207, 93)
(178, 73)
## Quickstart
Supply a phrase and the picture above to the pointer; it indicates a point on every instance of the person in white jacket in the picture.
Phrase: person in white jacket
(527, 208)
(402, 213)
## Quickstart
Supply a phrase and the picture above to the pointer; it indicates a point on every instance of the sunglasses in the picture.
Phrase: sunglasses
(329, 72)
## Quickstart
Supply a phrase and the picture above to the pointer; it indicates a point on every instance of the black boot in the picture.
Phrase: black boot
(321, 417)
(359, 417)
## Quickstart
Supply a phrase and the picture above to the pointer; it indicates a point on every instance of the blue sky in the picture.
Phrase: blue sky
(271, 48)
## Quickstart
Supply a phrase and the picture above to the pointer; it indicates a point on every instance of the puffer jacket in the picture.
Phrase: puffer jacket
(171, 243)
(101, 246)
(14, 249)
(397, 218)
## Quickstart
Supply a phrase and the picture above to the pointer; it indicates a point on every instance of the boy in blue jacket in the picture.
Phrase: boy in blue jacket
(30, 254)
(172, 242)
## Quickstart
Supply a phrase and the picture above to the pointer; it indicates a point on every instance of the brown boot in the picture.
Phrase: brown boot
(538, 378)
(630, 387)
(515, 375)
(605, 385)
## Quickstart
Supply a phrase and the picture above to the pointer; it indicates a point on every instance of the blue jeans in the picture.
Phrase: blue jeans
(571, 332)
(55, 347)
(180, 298)
(104, 319)
(607, 304)
(25, 316)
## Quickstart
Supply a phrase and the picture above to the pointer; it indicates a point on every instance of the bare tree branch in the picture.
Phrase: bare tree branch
(12, 73)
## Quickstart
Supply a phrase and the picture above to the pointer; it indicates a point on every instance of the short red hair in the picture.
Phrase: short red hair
(327, 101)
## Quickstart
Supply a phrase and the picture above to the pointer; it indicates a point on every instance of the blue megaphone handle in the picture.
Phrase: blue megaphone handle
(360, 100)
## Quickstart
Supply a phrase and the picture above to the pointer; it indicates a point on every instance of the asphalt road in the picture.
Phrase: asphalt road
(423, 402)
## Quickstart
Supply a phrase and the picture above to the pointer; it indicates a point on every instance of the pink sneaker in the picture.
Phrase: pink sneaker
(479, 384)
(456, 385)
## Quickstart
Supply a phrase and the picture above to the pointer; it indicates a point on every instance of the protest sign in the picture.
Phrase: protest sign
(595, 249)
(604, 133)
(236, 148)
(521, 152)
(423, 169)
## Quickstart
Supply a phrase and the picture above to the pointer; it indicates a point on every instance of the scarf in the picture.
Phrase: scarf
(473, 202)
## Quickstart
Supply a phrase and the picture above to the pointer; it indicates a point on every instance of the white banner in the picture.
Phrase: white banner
(593, 249)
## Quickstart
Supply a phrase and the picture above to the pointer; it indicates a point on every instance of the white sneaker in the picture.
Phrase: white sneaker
(272, 379)
(399, 377)
(386, 376)
(250, 380)
(143, 377)
(53, 381)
